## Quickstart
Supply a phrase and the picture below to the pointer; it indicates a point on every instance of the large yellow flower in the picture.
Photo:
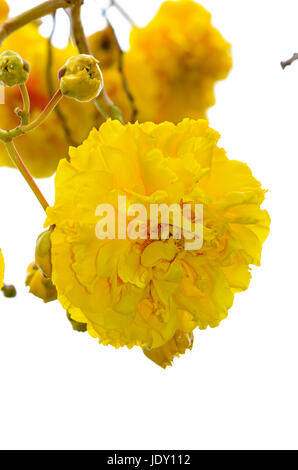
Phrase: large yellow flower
(1, 270)
(174, 62)
(153, 293)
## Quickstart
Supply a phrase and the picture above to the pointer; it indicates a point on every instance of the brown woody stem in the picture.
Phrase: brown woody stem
(13, 24)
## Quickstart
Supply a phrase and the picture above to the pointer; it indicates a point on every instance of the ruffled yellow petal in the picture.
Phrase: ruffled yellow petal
(165, 355)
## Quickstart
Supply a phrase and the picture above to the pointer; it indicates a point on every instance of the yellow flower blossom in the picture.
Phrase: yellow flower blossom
(1, 270)
(146, 292)
(174, 62)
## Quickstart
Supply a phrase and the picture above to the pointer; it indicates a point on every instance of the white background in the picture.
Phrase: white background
(238, 388)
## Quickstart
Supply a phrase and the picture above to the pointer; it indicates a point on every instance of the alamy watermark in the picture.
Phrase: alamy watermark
(159, 222)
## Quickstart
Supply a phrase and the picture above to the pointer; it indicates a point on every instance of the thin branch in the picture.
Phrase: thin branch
(18, 162)
(288, 62)
(24, 114)
(56, 98)
(134, 110)
(121, 10)
(78, 30)
(103, 102)
(49, 78)
(13, 24)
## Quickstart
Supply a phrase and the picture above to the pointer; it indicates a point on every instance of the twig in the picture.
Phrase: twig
(288, 62)
(121, 10)
(17, 160)
(24, 114)
(134, 110)
(49, 78)
(13, 24)
(103, 102)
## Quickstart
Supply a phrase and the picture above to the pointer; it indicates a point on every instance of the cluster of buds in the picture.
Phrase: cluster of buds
(80, 78)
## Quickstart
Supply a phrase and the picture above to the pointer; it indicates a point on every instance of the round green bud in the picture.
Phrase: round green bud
(81, 78)
(13, 69)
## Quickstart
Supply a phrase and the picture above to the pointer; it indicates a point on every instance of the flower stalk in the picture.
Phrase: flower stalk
(45, 113)
(18, 162)
(7, 136)
(24, 114)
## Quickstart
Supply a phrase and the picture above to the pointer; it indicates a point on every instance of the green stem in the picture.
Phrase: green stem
(45, 113)
(7, 136)
(13, 24)
(24, 114)
(18, 162)
(106, 107)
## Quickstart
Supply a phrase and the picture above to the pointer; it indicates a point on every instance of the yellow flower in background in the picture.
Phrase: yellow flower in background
(154, 293)
(174, 62)
(1, 270)
(4, 10)
(104, 47)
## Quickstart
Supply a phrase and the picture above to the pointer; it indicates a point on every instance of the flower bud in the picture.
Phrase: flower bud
(9, 291)
(81, 78)
(77, 326)
(13, 69)
(40, 286)
(43, 253)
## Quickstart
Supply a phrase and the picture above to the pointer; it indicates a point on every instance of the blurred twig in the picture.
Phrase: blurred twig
(126, 88)
(13, 24)
(49, 77)
(288, 62)
(114, 3)
(103, 103)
